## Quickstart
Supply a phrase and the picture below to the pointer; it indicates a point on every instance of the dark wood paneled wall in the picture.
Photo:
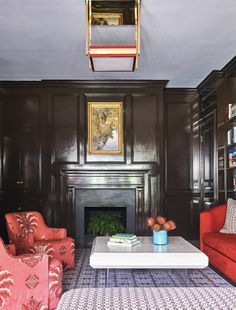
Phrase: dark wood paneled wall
(181, 110)
(44, 154)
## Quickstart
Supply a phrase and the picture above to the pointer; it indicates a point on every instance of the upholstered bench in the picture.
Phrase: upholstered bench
(170, 298)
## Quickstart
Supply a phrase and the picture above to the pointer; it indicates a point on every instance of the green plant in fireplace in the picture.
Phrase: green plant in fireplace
(105, 224)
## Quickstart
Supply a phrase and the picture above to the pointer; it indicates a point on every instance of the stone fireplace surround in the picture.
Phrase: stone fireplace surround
(107, 198)
(69, 184)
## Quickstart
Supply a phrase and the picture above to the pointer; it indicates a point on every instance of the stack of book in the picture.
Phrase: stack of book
(123, 240)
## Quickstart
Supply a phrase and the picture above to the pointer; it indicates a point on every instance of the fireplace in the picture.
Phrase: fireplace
(75, 190)
(89, 201)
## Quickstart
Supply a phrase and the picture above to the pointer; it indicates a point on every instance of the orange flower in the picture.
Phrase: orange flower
(166, 226)
(156, 227)
(150, 221)
(161, 220)
(160, 223)
(172, 225)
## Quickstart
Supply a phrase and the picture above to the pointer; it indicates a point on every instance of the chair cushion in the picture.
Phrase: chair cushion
(230, 218)
(223, 243)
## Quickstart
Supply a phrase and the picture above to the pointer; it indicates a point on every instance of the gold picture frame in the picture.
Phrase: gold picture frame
(107, 19)
(105, 127)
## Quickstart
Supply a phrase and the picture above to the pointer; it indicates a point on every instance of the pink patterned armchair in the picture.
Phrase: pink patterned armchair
(30, 234)
(29, 281)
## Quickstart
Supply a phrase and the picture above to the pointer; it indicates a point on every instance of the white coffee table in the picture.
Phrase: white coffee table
(178, 254)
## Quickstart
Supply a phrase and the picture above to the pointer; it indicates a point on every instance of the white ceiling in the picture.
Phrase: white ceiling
(181, 40)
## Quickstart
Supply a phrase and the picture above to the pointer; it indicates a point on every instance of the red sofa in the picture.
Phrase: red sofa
(219, 247)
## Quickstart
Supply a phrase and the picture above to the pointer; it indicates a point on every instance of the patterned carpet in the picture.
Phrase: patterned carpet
(83, 276)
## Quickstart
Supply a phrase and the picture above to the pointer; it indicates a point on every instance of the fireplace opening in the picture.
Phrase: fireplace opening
(91, 201)
(91, 212)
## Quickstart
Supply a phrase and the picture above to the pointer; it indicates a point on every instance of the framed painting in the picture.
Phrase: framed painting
(105, 127)
(108, 19)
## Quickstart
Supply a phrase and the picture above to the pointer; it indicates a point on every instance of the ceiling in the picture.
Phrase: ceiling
(181, 40)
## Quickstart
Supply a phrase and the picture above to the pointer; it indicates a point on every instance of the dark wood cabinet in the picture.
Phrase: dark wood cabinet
(22, 135)
(21, 146)
(21, 161)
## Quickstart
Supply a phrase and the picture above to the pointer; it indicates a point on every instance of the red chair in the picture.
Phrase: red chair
(29, 233)
(29, 281)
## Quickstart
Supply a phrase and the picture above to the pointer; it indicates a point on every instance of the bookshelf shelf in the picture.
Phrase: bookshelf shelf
(231, 146)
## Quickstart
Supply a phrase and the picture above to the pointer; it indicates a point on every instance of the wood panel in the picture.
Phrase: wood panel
(65, 128)
(180, 161)
(20, 111)
(21, 153)
(178, 146)
(145, 122)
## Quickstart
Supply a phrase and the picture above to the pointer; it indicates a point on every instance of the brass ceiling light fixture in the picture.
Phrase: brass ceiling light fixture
(112, 58)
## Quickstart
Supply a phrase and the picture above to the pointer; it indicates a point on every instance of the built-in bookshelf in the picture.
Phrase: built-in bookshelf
(227, 152)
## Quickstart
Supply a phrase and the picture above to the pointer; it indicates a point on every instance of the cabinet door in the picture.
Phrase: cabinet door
(21, 161)
(19, 112)
(30, 160)
(11, 161)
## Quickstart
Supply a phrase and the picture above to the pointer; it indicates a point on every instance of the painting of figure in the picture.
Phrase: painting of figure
(105, 127)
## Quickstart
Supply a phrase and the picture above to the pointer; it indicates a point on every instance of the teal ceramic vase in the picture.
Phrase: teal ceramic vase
(160, 238)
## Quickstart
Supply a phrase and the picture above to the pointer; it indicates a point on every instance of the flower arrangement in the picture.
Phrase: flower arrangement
(160, 223)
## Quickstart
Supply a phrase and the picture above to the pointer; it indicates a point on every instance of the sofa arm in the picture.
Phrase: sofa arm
(211, 220)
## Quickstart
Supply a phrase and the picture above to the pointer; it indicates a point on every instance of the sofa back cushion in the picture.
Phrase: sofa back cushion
(230, 219)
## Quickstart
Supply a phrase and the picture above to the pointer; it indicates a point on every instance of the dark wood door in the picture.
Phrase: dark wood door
(21, 156)
(21, 160)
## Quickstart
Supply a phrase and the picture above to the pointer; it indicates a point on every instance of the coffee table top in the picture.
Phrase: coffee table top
(178, 253)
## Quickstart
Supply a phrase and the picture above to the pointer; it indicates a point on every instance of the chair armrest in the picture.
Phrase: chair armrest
(11, 249)
(212, 220)
(23, 242)
(50, 233)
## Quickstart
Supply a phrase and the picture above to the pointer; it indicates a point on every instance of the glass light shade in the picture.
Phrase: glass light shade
(113, 58)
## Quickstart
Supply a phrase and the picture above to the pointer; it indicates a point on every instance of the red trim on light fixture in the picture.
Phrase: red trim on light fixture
(105, 46)
(112, 55)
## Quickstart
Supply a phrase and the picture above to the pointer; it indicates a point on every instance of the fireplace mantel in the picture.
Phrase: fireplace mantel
(144, 179)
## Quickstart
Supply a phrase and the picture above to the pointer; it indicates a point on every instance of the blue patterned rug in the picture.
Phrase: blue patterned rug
(84, 276)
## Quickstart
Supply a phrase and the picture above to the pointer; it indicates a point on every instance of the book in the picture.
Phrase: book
(119, 240)
(124, 236)
(232, 158)
(231, 135)
(123, 244)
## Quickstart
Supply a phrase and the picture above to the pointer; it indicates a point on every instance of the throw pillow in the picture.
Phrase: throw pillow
(230, 219)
